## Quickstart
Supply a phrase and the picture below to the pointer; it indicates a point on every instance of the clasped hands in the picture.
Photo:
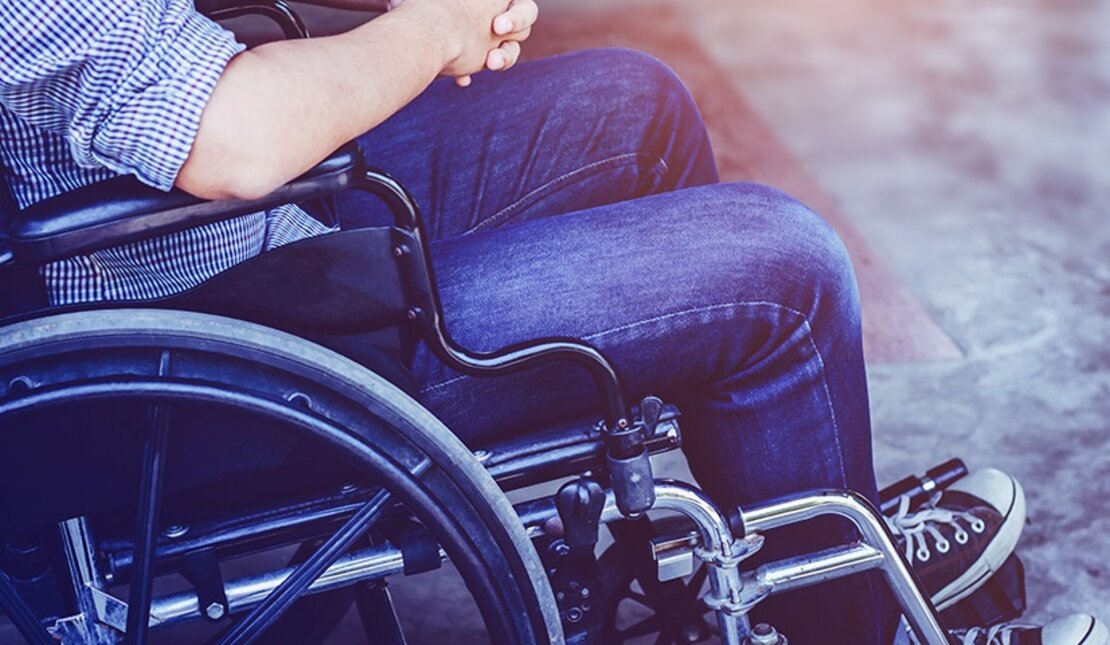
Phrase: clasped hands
(473, 39)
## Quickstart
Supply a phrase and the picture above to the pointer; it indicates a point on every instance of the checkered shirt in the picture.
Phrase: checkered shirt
(93, 89)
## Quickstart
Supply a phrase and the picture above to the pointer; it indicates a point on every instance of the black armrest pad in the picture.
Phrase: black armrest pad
(122, 210)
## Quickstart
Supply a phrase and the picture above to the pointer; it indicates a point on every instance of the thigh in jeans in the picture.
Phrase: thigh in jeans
(551, 136)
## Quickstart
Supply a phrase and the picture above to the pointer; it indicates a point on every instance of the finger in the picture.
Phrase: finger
(512, 49)
(503, 57)
(463, 81)
(521, 15)
(519, 36)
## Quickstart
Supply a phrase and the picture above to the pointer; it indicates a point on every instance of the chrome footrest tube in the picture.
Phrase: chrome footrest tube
(733, 594)
(875, 551)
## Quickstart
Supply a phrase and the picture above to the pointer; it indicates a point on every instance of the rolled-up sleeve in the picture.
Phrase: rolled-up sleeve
(123, 81)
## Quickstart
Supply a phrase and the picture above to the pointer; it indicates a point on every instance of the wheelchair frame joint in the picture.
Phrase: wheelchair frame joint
(202, 570)
(629, 460)
(741, 550)
(739, 604)
(419, 549)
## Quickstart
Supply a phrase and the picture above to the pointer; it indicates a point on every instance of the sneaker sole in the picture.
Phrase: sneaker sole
(1097, 634)
(993, 557)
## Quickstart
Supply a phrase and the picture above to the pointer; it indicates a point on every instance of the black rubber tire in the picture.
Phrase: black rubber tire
(97, 354)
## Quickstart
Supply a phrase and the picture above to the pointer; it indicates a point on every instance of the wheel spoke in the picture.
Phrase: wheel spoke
(21, 615)
(293, 587)
(649, 625)
(644, 600)
(379, 616)
(146, 524)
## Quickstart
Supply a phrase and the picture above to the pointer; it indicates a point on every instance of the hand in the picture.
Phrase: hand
(512, 27)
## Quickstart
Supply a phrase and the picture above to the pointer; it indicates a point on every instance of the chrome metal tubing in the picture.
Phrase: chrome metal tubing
(814, 568)
(243, 593)
(716, 537)
(79, 547)
(918, 609)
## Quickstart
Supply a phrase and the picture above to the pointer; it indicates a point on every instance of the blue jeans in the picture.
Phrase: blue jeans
(578, 196)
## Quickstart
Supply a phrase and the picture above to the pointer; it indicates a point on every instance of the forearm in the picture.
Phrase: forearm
(282, 107)
(352, 5)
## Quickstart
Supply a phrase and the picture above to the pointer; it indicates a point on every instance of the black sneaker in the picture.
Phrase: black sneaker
(961, 537)
(1077, 629)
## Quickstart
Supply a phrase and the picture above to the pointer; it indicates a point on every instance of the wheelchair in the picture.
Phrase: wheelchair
(148, 446)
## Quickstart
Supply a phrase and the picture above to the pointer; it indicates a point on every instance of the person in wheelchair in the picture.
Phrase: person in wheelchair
(575, 196)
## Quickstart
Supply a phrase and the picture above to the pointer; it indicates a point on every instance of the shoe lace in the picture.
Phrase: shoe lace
(925, 522)
(997, 635)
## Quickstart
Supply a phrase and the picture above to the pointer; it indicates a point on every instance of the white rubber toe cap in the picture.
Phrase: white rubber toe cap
(1078, 629)
(996, 488)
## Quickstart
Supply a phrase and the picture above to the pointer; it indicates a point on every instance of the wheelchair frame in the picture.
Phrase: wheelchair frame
(610, 463)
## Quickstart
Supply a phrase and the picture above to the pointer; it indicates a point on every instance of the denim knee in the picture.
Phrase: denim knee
(804, 257)
(626, 75)
(640, 95)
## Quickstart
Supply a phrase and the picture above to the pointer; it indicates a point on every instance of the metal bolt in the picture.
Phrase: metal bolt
(764, 634)
(692, 633)
(574, 615)
(215, 611)
(482, 456)
(20, 384)
(562, 549)
(174, 531)
(300, 399)
(413, 313)
(401, 250)
(585, 592)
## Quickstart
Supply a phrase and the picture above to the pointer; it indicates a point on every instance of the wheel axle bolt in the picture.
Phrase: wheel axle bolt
(585, 592)
(764, 634)
(574, 615)
(215, 611)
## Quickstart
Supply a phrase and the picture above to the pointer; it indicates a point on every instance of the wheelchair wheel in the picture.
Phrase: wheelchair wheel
(636, 606)
(176, 371)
